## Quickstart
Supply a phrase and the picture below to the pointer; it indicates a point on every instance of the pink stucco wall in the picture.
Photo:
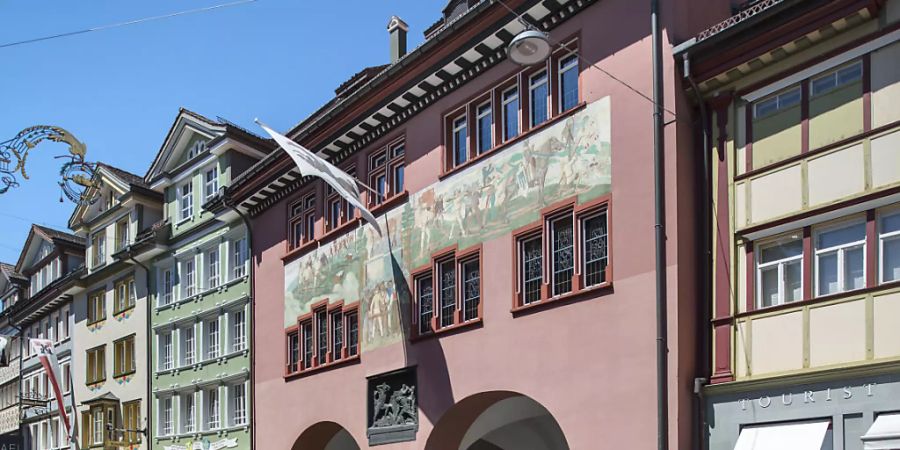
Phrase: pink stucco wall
(591, 363)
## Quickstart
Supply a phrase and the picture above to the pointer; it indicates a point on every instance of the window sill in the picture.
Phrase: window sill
(122, 312)
(96, 322)
(389, 203)
(549, 302)
(449, 330)
(206, 362)
(198, 296)
(297, 252)
(95, 382)
(502, 146)
(323, 367)
(344, 228)
(846, 295)
(116, 376)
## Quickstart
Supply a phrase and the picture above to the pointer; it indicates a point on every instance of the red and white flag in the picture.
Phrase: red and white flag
(44, 350)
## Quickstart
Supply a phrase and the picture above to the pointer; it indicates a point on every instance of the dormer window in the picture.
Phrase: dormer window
(196, 149)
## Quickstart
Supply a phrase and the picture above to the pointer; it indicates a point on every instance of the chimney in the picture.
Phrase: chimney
(397, 28)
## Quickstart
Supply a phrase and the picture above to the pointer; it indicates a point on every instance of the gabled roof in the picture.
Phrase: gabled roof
(51, 235)
(217, 129)
(123, 179)
(9, 271)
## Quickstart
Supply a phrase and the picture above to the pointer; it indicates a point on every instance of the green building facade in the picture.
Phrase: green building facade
(201, 313)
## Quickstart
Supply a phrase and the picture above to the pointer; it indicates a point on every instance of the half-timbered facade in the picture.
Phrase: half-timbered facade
(800, 104)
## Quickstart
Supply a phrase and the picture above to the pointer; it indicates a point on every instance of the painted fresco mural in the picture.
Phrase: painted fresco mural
(487, 200)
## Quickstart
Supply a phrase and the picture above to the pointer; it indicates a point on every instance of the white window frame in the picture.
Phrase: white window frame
(841, 251)
(210, 186)
(212, 258)
(781, 264)
(166, 356)
(188, 345)
(238, 333)
(188, 413)
(835, 76)
(168, 287)
(212, 347)
(166, 423)
(561, 70)
(187, 280)
(186, 201)
(212, 409)
(885, 237)
(238, 415)
(196, 149)
(778, 98)
(239, 257)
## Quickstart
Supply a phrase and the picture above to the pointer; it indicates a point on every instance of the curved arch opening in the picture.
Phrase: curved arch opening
(499, 420)
(325, 436)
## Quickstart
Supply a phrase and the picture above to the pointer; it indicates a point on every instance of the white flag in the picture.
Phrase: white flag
(311, 165)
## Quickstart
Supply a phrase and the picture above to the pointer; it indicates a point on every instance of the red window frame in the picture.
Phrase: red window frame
(494, 96)
(392, 158)
(458, 318)
(542, 230)
(346, 213)
(302, 220)
(308, 332)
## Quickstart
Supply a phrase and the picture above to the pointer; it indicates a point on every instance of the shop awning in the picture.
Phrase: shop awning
(884, 434)
(793, 436)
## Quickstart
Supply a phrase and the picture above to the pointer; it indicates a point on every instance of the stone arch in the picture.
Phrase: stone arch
(497, 420)
(325, 436)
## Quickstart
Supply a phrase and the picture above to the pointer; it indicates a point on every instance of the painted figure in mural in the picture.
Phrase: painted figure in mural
(376, 312)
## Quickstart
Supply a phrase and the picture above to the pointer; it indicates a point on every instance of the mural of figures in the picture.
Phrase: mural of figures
(488, 200)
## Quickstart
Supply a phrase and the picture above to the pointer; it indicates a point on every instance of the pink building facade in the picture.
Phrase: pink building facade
(509, 302)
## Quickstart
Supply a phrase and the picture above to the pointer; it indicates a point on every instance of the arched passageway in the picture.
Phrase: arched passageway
(498, 420)
(325, 436)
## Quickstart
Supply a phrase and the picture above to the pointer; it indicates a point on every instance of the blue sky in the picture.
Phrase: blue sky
(119, 90)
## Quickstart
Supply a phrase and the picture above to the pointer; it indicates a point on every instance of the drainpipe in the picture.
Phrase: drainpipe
(662, 357)
(149, 344)
(21, 365)
(251, 273)
(706, 290)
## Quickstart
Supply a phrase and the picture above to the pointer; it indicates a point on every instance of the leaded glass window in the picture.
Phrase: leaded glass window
(471, 289)
(425, 300)
(321, 336)
(352, 334)
(447, 278)
(562, 235)
(337, 334)
(594, 241)
(532, 269)
(307, 345)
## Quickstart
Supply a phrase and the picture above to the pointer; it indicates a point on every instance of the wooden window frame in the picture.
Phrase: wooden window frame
(98, 354)
(95, 314)
(128, 286)
(118, 370)
(388, 169)
(542, 229)
(332, 358)
(300, 212)
(131, 437)
(458, 259)
(122, 238)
